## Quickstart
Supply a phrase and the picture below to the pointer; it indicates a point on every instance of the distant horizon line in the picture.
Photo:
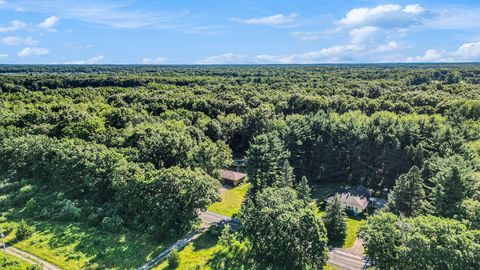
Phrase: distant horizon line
(256, 64)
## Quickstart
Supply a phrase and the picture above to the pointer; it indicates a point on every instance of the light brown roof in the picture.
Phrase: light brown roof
(354, 200)
(231, 175)
(356, 196)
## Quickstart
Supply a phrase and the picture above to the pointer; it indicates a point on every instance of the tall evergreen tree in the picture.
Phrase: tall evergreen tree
(408, 195)
(268, 162)
(304, 190)
(334, 220)
(449, 192)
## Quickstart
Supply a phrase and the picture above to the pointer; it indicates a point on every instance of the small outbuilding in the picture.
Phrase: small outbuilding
(231, 177)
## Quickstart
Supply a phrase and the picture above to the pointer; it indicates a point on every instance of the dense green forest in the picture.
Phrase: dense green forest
(140, 148)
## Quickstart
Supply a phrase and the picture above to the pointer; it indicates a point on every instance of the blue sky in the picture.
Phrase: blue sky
(238, 31)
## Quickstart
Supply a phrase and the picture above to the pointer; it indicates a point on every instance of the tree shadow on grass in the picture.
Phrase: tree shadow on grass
(207, 240)
(337, 243)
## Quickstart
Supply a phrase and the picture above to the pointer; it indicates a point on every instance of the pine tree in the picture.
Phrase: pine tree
(449, 192)
(334, 220)
(268, 162)
(408, 195)
(304, 190)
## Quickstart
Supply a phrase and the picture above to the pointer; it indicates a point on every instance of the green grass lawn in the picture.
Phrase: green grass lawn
(72, 246)
(196, 254)
(231, 201)
(353, 224)
(13, 263)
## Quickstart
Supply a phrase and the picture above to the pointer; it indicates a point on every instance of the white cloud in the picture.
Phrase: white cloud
(414, 9)
(49, 23)
(336, 53)
(116, 14)
(3, 55)
(389, 15)
(33, 51)
(274, 20)
(390, 46)
(429, 56)
(14, 26)
(15, 41)
(227, 58)
(89, 61)
(306, 36)
(359, 35)
(468, 52)
(154, 61)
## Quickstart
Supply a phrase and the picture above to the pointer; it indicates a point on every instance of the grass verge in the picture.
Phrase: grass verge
(197, 254)
(13, 263)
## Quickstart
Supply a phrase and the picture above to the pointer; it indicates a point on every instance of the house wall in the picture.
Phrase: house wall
(356, 210)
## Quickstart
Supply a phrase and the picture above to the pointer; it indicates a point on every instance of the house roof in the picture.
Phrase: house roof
(354, 196)
(231, 175)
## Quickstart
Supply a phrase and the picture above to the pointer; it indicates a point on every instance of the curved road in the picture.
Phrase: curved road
(208, 219)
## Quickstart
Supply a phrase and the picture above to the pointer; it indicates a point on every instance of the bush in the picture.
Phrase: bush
(31, 206)
(173, 259)
(112, 224)
(69, 210)
(5, 201)
(24, 231)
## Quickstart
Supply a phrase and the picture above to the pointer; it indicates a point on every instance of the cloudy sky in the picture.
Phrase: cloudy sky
(238, 31)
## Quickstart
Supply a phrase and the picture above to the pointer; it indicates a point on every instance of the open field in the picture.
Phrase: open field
(72, 246)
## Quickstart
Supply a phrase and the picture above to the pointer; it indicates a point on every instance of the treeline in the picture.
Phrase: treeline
(370, 150)
(78, 179)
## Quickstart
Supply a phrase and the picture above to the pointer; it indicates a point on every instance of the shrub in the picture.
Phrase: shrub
(112, 224)
(173, 259)
(24, 231)
(69, 210)
(5, 201)
(31, 206)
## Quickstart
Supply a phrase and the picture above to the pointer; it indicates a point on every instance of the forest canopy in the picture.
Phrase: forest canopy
(141, 147)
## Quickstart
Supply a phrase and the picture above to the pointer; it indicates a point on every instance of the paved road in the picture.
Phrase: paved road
(208, 219)
(348, 258)
(31, 258)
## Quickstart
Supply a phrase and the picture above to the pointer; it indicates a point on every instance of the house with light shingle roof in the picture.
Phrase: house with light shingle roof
(354, 198)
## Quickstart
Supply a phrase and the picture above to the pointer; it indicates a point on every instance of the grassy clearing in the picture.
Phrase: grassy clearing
(353, 224)
(196, 254)
(72, 246)
(231, 201)
(14, 263)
